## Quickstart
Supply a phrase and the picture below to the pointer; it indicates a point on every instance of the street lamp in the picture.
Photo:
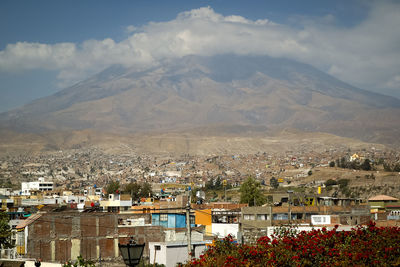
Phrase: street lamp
(131, 252)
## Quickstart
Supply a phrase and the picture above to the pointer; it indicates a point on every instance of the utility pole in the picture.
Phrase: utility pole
(290, 210)
(188, 229)
(225, 183)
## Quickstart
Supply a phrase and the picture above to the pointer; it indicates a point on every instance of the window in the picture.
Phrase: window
(281, 216)
(249, 217)
(262, 217)
(192, 220)
(163, 217)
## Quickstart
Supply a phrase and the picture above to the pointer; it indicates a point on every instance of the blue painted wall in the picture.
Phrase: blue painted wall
(174, 220)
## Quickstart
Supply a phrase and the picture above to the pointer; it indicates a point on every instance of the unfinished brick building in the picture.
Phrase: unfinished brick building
(62, 236)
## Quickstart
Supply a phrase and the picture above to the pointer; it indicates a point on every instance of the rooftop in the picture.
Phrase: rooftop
(383, 198)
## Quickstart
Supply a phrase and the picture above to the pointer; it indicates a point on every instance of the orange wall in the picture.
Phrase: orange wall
(203, 217)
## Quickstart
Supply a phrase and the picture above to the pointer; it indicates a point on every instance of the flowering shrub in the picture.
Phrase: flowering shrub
(362, 246)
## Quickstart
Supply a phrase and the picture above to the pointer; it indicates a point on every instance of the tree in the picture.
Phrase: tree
(209, 184)
(132, 189)
(5, 231)
(366, 165)
(330, 182)
(146, 190)
(138, 190)
(214, 184)
(343, 183)
(396, 167)
(250, 193)
(342, 163)
(387, 167)
(332, 164)
(274, 183)
(218, 183)
(112, 187)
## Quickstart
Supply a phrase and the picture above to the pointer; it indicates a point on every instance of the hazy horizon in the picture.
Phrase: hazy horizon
(43, 51)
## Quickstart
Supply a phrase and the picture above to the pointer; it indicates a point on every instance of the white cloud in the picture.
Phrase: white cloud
(130, 29)
(366, 55)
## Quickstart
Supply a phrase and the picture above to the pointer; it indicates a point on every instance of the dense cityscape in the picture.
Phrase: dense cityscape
(111, 198)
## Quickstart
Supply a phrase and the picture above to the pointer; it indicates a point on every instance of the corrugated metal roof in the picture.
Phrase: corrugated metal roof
(29, 220)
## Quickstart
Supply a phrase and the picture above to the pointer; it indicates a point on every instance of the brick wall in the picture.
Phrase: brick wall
(62, 236)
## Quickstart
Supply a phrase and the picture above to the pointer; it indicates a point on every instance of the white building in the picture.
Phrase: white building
(223, 229)
(39, 185)
(117, 203)
(170, 253)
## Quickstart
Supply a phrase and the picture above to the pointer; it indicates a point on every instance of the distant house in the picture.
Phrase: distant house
(171, 220)
(354, 157)
(117, 203)
(256, 221)
(382, 203)
(220, 219)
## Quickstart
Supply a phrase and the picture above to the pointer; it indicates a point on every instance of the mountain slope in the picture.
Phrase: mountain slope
(224, 91)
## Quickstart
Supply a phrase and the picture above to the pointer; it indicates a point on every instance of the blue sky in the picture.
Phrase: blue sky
(48, 45)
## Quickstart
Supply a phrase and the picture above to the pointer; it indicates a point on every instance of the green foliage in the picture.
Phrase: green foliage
(309, 173)
(391, 167)
(214, 184)
(146, 190)
(355, 165)
(6, 184)
(112, 187)
(330, 182)
(80, 261)
(274, 182)
(137, 190)
(366, 165)
(387, 167)
(343, 183)
(396, 167)
(342, 162)
(5, 231)
(250, 193)
(193, 197)
(332, 164)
